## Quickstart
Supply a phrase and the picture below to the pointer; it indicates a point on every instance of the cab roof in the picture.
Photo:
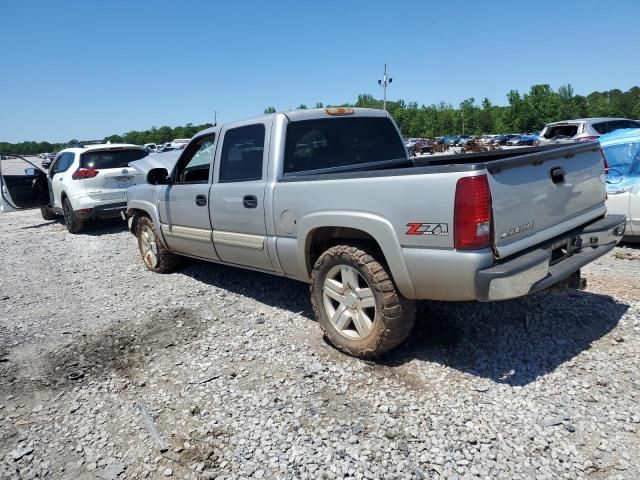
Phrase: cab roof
(303, 114)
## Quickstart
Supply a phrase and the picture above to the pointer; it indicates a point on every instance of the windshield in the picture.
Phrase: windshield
(111, 158)
(338, 142)
(623, 160)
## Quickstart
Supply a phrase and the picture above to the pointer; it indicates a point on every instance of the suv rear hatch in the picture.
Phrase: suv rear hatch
(541, 195)
(106, 172)
(560, 132)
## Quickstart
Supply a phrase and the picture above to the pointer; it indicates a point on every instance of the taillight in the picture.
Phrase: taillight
(589, 138)
(83, 173)
(472, 214)
(604, 159)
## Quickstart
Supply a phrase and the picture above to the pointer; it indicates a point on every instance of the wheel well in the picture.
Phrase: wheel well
(137, 215)
(324, 238)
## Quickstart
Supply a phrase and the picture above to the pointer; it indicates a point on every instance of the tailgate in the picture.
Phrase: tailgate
(111, 184)
(540, 195)
(110, 174)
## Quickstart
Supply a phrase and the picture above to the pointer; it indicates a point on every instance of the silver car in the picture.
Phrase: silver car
(582, 129)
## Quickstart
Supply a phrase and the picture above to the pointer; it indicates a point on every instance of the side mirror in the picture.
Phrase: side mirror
(158, 176)
(30, 172)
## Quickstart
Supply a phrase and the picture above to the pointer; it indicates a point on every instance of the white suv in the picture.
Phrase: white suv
(582, 129)
(83, 183)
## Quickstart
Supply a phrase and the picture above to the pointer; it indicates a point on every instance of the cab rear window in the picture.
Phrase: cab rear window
(104, 159)
(338, 142)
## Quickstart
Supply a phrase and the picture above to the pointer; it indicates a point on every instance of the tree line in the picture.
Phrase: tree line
(525, 112)
(153, 135)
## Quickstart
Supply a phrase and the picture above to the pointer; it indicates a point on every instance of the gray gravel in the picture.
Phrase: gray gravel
(239, 383)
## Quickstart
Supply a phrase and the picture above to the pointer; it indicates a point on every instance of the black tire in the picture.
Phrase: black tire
(71, 219)
(47, 214)
(155, 256)
(394, 315)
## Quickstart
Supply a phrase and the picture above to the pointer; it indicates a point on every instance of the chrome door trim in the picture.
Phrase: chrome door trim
(239, 239)
(189, 233)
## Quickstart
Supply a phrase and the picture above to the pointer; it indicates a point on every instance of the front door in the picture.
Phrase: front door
(22, 185)
(237, 198)
(184, 205)
(57, 179)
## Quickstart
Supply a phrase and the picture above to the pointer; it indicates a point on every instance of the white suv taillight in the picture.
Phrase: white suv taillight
(83, 173)
(472, 214)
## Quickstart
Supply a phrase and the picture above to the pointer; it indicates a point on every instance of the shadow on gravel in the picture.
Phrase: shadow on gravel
(512, 342)
(107, 226)
(495, 340)
(39, 225)
(268, 289)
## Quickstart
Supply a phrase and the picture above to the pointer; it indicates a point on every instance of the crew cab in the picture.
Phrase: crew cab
(330, 197)
(81, 184)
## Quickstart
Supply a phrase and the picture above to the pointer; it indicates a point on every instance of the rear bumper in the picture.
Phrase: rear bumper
(551, 263)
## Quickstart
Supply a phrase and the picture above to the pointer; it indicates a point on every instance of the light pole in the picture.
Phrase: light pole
(384, 82)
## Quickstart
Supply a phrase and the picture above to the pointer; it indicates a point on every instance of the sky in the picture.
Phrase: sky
(86, 70)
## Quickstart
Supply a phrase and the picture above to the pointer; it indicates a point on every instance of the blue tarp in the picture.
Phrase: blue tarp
(622, 151)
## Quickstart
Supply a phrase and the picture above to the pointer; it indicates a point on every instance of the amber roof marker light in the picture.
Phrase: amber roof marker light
(336, 111)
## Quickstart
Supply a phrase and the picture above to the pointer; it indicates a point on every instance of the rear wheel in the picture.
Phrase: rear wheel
(47, 214)
(71, 219)
(154, 255)
(357, 304)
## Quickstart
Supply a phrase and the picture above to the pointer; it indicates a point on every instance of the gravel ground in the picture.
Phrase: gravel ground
(239, 383)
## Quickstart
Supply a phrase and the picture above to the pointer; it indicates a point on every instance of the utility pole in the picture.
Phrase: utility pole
(384, 82)
(462, 121)
(215, 118)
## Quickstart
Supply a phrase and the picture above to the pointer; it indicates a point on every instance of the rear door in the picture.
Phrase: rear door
(237, 198)
(23, 185)
(540, 195)
(107, 174)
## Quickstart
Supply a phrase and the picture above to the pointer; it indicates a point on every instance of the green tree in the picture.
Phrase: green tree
(269, 110)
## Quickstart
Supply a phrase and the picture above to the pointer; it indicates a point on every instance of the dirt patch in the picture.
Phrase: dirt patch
(124, 348)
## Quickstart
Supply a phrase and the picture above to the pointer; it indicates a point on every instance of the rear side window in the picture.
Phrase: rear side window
(601, 127)
(242, 152)
(65, 161)
(555, 131)
(103, 159)
(338, 142)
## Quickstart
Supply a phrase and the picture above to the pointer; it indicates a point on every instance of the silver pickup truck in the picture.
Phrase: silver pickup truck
(330, 197)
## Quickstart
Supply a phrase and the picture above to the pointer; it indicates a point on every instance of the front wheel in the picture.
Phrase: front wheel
(357, 304)
(154, 255)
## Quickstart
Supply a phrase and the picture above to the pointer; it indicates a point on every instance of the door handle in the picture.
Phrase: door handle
(201, 200)
(250, 201)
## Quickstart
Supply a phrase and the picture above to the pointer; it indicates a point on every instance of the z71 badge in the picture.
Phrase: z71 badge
(428, 229)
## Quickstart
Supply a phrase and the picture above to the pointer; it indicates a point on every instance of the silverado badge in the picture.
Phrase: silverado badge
(518, 229)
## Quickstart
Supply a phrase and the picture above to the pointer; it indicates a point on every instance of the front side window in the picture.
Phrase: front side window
(242, 153)
(197, 161)
(339, 142)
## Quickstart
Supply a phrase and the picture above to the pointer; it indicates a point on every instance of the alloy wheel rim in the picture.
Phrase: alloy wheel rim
(349, 302)
(67, 214)
(148, 247)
